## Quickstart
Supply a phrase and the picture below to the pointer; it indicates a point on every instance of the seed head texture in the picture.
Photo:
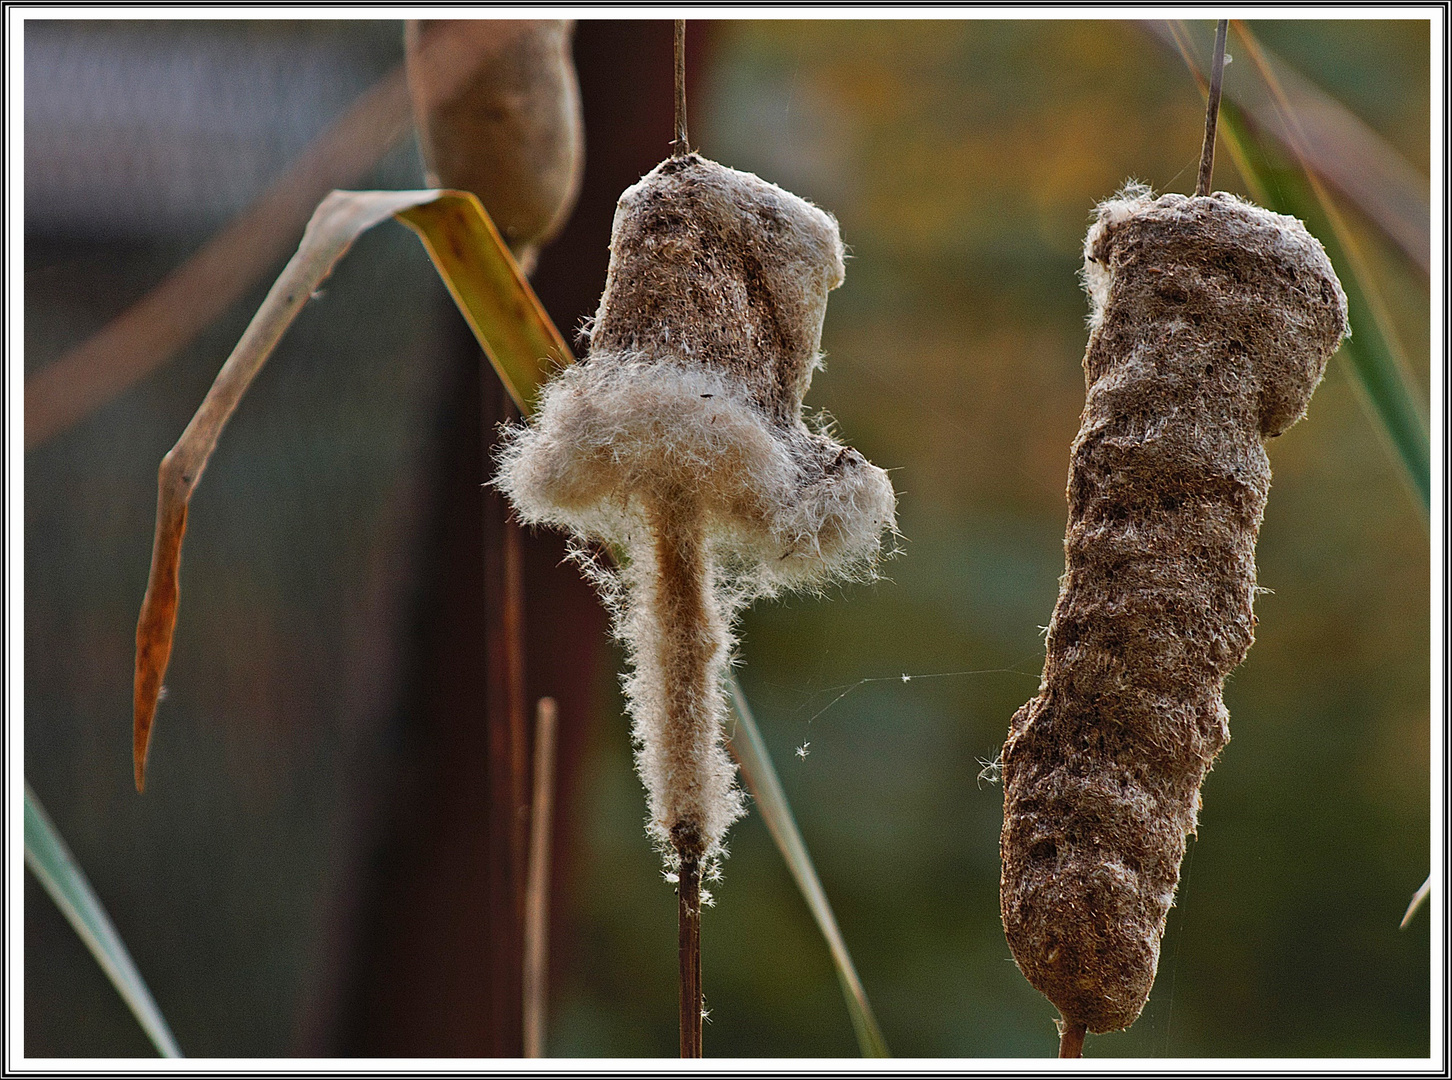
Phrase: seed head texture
(679, 441)
(1212, 321)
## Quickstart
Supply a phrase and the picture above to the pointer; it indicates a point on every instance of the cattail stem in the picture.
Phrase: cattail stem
(508, 758)
(537, 891)
(686, 649)
(680, 145)
(1212, 111)
(688, 891)
(1071, 1039)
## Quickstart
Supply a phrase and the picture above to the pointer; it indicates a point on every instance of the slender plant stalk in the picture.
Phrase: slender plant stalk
(537, 892)
(681, 144)
(1071, 1040)
(683, 584)
(688, 890)
(508, 770)
(1212, 111)
(684, 606)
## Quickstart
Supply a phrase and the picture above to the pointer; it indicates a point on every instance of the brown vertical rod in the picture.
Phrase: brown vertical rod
(537, 891)
(508, 751)
(1212, 111)
(680, 145)
(1071, 1040)
(688, 890)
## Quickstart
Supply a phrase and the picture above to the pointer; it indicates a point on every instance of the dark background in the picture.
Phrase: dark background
(304, 874)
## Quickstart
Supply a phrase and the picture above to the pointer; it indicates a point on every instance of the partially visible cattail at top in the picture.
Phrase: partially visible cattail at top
(1212, 322)
(497, 107)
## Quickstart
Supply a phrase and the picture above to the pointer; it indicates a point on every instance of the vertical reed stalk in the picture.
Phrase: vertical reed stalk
(680, 145)
(1212, 110)
(685, 653)
(689, 892)
(537, 891)
(508, 761)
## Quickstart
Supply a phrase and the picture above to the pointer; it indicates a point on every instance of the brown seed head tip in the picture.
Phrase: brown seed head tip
(497, 108)
(1212, 323)
(1266, 271)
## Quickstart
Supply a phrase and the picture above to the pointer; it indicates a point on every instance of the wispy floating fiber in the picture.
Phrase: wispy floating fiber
(679, 441)
(1212, 322)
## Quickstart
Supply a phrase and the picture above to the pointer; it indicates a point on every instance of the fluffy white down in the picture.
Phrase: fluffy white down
(613, 434)
(614, 441)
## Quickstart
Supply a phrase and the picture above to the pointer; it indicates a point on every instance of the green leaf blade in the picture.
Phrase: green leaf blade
(761, 779)
(51, 862)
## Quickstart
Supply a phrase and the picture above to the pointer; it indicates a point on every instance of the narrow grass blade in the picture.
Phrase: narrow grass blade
(1330, 139)
(1373, 353)
(1376, 355)
(1417, 901)
(761, 780)
(491, 291)
(55, 868)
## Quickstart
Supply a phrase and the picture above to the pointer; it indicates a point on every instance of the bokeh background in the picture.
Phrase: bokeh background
(303, 876)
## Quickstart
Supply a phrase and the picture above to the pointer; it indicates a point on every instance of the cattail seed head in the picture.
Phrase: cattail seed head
(497, 107)
(1211, 324)
(679, 439)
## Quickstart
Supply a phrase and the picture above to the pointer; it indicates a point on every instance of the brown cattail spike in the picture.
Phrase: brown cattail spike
(1212, 323)
(497, 107)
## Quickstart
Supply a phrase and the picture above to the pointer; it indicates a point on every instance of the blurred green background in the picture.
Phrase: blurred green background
(963, 160)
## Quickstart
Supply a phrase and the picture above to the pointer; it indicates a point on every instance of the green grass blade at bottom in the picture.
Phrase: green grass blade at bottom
(761, 779)
(55, 868)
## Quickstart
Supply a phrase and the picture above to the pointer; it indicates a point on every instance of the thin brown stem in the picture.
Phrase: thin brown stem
(680, 145)
(507, 717)
(1212, 110)
(1071, 1039)
(688, 890)
(537, 892)
(689, 630)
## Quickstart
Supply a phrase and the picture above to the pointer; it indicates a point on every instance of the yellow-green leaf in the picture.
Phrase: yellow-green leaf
(491, 291)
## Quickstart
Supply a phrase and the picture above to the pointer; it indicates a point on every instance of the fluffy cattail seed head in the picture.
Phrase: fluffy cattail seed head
(1212, 321)
(497, 108)
(680, 440)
